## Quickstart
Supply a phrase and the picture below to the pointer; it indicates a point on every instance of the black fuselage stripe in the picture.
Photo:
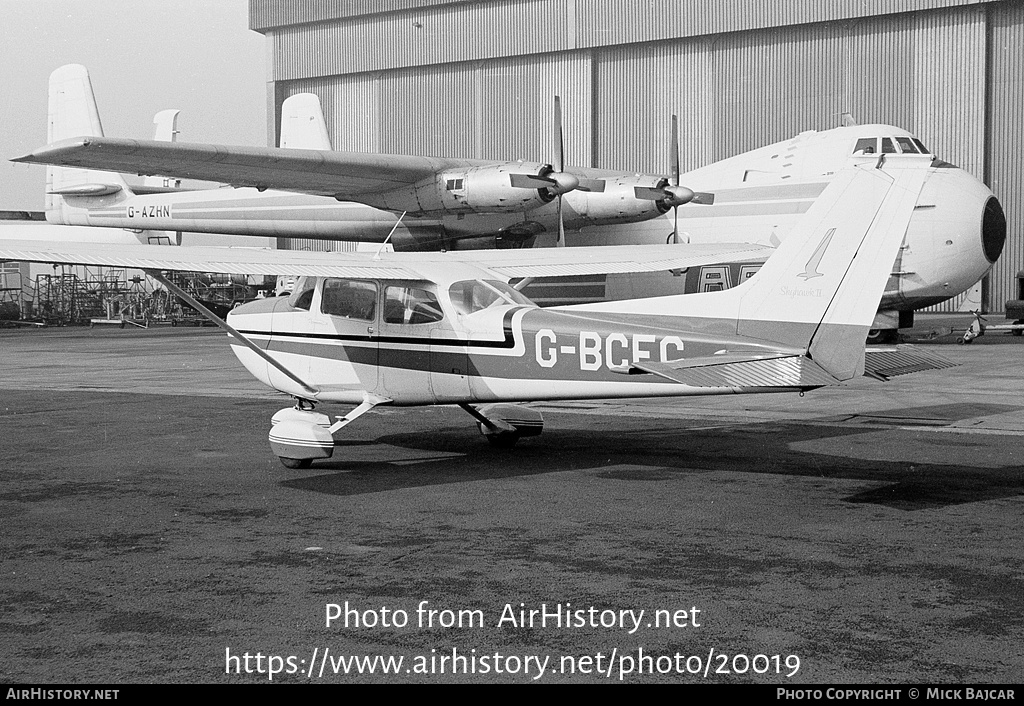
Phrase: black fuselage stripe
(509, 341)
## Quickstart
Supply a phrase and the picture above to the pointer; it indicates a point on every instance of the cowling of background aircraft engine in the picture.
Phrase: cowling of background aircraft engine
(957, 232)
(616, 204)
(489, 189)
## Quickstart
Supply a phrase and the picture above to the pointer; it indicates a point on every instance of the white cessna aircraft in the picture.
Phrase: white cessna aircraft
(446, 328)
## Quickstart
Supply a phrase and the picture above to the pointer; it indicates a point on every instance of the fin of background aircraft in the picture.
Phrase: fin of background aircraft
(72, 112)
(165, 129)
(302, 123)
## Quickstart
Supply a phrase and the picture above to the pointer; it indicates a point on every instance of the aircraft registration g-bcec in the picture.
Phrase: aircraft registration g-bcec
(955, 233)
(446, 328)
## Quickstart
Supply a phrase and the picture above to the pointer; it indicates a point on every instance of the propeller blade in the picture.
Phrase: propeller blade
(531, 181)
(648, 193)
(674, 156)
(594, 185)
(703, 198)
(559, 146)
(561, 225)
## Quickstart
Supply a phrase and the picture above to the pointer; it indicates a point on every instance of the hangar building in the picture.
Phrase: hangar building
(476, 79)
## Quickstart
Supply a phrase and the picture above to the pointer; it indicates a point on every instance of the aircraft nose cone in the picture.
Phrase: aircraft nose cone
(993, 229)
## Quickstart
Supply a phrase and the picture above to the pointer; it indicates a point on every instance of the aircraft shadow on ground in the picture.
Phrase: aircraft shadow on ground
(663, 452)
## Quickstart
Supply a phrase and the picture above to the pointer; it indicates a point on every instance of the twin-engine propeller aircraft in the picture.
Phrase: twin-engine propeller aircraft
(447, 328)
(304, 189)
(955, 233)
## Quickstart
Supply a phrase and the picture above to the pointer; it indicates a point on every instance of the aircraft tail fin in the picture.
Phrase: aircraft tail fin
(165, 129)
(302, 123)
(73, 112)
(818, 293)
(825, 294)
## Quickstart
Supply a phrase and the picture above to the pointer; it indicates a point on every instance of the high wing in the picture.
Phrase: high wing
(345, 175)
(415, 184)
(504, 264)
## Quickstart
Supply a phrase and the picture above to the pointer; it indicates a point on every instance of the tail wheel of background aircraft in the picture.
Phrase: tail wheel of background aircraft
(296, 462)
(502, 439)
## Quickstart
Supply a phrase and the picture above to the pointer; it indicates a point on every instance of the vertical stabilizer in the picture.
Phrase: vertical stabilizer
(165, 129)
(820, 290)
(72, 112)
(302, 123)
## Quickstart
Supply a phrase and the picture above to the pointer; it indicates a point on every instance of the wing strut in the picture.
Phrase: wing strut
(178, 291)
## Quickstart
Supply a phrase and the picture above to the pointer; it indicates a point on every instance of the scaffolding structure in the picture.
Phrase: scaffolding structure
(79, 295)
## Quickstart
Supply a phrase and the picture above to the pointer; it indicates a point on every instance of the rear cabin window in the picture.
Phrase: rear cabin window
(350, 299)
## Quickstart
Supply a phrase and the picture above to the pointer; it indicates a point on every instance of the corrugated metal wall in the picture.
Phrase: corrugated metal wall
(477, 80)
(1006, 156)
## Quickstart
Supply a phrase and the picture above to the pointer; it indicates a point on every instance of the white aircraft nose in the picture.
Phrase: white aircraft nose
(958, 230)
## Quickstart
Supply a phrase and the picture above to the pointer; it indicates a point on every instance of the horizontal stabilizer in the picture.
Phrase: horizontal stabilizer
(885, 363)
(86, 190)
(764, 370)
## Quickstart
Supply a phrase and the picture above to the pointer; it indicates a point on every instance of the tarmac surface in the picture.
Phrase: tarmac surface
(868, 534)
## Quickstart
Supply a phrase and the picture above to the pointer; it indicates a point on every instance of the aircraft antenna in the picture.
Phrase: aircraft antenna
(393, 229)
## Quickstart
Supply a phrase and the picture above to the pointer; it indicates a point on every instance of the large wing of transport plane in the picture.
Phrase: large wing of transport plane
(446, 328)
(304, 189)
(412, 184)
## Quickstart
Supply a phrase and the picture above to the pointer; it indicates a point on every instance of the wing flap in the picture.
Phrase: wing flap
(767, 370)
(594, 260)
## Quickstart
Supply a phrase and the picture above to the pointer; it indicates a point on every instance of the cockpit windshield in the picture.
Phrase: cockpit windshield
(470, 296)
(302, 294)
(907, 145)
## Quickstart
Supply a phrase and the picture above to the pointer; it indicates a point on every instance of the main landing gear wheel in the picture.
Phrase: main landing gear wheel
(501, 440)
(296, 462)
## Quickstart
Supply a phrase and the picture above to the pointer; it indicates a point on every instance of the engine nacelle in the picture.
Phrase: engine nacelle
(489, 189)
(618, 202)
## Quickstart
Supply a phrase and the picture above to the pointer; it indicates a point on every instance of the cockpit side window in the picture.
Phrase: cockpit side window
(887, 146)
(302, 295)
(349, 298)
(924, 150)
(866, 145)
(907, 145)
(471, 296)
(411, 305)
